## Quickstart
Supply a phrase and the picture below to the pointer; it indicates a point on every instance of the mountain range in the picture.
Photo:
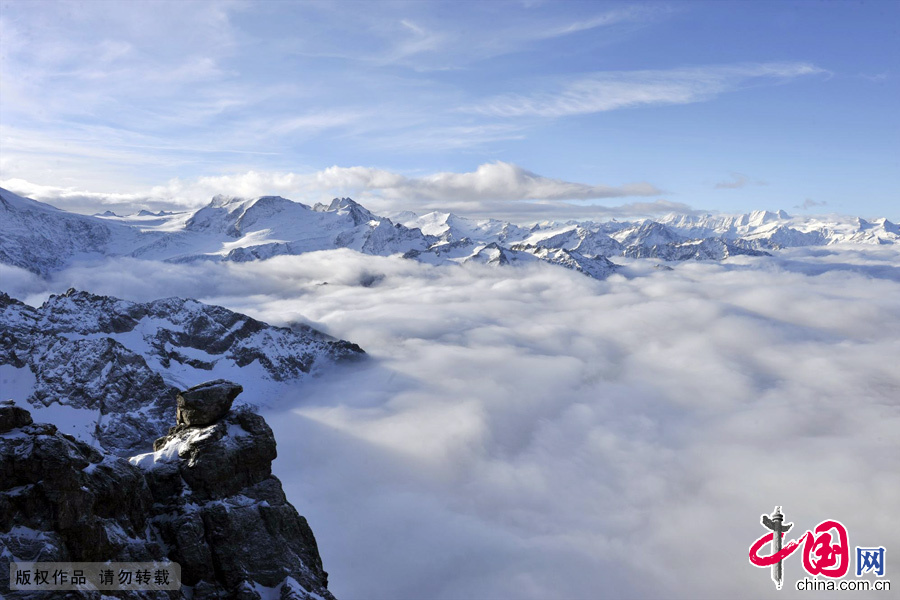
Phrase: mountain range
(43, 239)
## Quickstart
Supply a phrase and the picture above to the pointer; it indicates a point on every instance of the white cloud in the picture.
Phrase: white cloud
(626, 89)
(71, 198)
(534, 433)
(504, 181)
(496, 189)
(810, 203)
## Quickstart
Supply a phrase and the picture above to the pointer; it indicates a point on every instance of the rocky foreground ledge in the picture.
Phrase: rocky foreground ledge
(205, 498)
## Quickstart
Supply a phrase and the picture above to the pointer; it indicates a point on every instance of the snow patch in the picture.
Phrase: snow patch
(16, 383)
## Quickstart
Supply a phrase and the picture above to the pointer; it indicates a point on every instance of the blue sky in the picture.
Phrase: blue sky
(522, 110)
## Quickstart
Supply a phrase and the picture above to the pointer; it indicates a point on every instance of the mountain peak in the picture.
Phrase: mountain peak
(221, 200)
(347, 206)
(343, 203)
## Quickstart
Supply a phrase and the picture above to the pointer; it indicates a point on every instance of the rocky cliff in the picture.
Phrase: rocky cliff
(205, 498)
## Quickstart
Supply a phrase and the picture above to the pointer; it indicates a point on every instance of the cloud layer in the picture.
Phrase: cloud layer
(495, 189)
(534, 433)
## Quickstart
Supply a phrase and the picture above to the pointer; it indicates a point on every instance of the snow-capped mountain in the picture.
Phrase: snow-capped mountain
(647, 233)
(241, 230)
(449, 227)
(673, 237)
(710, 248)
(114, 366)
(43, 239)
(775, 230)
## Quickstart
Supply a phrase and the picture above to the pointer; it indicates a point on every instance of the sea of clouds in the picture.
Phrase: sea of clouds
(531, 433)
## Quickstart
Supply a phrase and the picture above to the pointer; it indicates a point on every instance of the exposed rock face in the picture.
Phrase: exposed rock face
(205, 498)
(223, 512)
(62, 500)
(206, 403)
(11, 416)
(705, 249)
(123, 362)
(598, 267)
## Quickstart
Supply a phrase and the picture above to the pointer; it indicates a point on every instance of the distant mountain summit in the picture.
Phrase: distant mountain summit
(43, 239)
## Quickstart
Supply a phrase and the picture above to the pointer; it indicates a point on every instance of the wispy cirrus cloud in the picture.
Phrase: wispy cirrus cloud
(414, 36)
(635, 13)
(738, 181)
(614, 90)
(876, 77)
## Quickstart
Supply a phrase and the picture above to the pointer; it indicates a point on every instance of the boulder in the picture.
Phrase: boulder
(11, 416)
(206, 403)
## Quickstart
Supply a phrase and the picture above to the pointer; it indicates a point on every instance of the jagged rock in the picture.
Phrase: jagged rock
(206, 403)
(62, 500)
(216, 460)
(598, 267)
(206, 499)
(222, 512)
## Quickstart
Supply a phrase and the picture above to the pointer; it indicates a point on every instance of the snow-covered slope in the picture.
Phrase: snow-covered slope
(118, 363)
(449, 227)
(241, 230)
(41, 238)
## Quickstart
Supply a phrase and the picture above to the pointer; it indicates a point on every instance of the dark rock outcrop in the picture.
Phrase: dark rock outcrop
(64, 501)
(206, 403)
(11, 416)
(205, 498)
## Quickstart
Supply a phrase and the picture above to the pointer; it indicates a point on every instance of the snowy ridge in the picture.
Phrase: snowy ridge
(122, 361)
(781, 230)
(672, 238)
